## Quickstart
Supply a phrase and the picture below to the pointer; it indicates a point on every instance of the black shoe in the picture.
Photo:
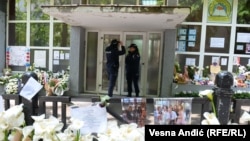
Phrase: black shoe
(137, 95)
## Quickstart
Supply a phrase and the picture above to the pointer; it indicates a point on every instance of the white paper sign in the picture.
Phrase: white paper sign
(67, 56)
(18, 56)
(56, 55)
(30, 89)
(243, 37)
(1, 104)
(217, 42)
(40, 58)
(224, 61)
(55, 62)
(216, 60)
(190, 61)
(62, 56)
(94, 118)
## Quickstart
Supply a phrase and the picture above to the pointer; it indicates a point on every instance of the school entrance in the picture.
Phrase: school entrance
(150, 48)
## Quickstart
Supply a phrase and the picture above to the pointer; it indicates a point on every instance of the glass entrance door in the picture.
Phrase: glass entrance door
(103, 82)
(149, 45)
(139, 40)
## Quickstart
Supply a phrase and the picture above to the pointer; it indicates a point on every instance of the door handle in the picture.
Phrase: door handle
(142, 63)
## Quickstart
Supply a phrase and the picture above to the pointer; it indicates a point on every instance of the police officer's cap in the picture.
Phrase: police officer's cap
(133, 45)
(114, 42)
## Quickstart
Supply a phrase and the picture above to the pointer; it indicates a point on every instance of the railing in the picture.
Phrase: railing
(118, 2)
(112, 109)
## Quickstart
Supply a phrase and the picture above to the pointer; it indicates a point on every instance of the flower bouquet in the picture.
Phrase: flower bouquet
(57, 86)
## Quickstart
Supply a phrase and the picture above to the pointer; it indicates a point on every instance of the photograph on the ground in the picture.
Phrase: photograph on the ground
(172, 111)
(134, 110)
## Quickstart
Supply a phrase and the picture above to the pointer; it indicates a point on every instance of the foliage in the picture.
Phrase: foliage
(196, 9)
(191, 71)
(187, 94)
(241, 95)
(243, 16)
(206, 71)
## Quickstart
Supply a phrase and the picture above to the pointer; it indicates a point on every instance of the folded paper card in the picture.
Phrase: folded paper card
(30, 89)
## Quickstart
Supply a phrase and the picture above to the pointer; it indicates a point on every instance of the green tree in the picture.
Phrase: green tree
(196, 9)
(243, 16)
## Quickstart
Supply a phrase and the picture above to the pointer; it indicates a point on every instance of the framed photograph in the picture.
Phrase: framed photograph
(240, 48)
(134, 110)
(172, 111)
(247, 48)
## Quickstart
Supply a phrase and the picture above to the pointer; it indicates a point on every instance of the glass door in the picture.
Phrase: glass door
(106, 38)
(150, 49)
(139, 40)
(150, 46)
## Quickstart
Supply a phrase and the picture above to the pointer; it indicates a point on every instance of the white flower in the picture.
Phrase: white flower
(210, 119)
(27, 130)
(208, 93)
(76, 124)
(126, 132)
(13, 117)
(46, 129)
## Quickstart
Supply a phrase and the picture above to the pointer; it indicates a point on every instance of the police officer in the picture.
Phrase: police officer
(113, 51)
(132, 63)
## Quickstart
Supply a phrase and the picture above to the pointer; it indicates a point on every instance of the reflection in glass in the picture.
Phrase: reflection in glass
(133, 39)
(196, 9)
(217, 39)
(106, 42)
(153, 61)
(39, 34)
(99, 1)
(125, 2)
(62, 2)
(61, 35)
(36, 12)
(92, 45)
(17, 10)
(243, 16)
(17, 34)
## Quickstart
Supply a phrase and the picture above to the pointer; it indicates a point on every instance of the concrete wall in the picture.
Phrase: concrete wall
(3, 6)
(168, 60)
(77, 53)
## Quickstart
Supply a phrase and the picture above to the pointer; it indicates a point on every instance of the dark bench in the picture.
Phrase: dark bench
(8, 97)
(64, 100)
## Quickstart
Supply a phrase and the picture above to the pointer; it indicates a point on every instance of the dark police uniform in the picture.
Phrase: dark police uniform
(132, 62)
(112, 55)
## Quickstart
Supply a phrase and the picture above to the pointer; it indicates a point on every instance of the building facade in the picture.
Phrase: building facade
(58, 32)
